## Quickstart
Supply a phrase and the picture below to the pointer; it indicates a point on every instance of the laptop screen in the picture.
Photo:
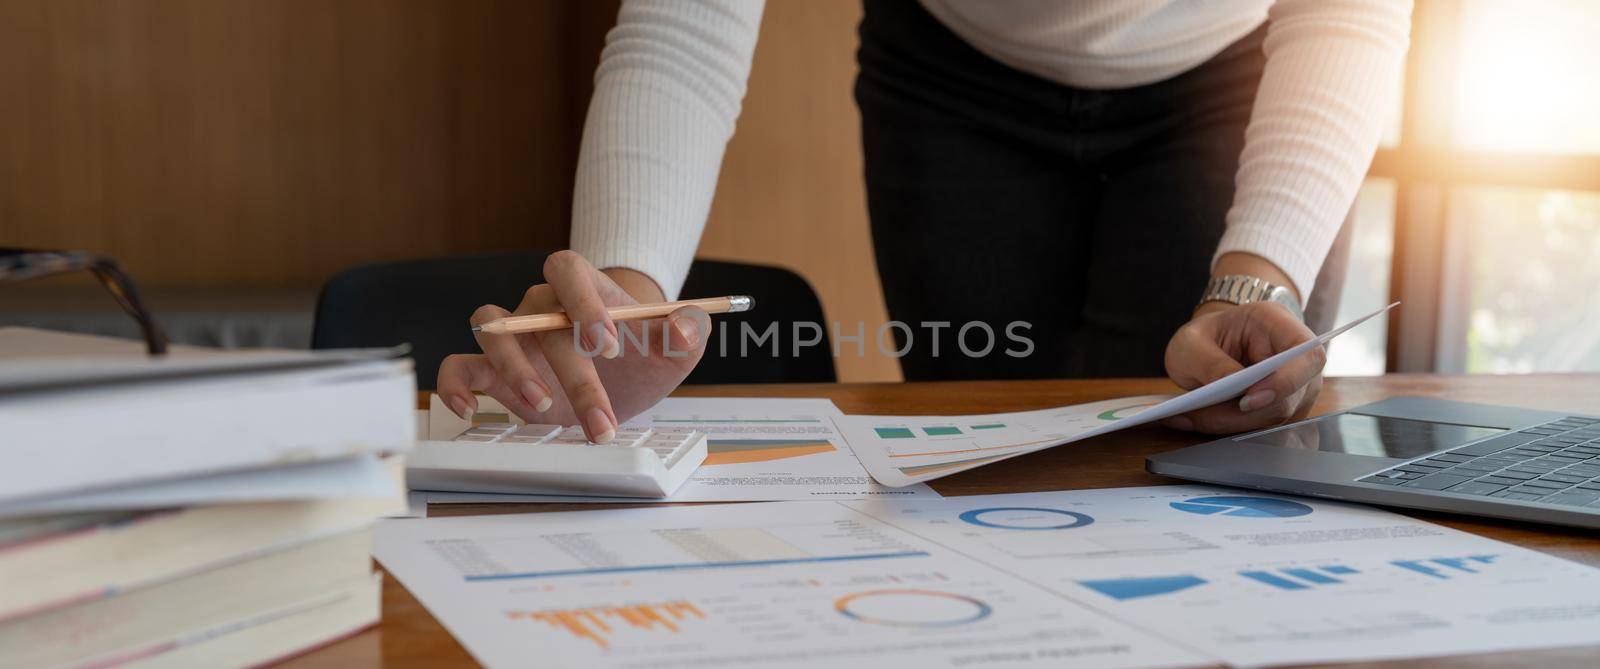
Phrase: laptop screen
(1358, 434)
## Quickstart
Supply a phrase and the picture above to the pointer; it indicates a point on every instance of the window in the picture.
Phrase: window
(1520, 282)
(1495, 200)
(1525, 76)
(1360, 352)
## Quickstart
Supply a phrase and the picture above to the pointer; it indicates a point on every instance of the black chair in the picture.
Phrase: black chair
(426, 303)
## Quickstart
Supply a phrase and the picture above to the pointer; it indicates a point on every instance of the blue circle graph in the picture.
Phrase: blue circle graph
(1242, 506)
(1072, 518)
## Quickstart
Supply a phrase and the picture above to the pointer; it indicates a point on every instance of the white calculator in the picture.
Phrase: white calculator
(555, 460)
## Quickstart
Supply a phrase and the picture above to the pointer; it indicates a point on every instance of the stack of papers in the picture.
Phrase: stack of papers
(1170, 576)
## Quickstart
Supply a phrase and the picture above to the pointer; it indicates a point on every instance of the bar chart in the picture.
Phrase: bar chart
(1123, 589)
(597, 624)
(1301, 578)
(1448, 567)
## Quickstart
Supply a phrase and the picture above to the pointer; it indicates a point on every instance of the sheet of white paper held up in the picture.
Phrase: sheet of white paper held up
(905, 450)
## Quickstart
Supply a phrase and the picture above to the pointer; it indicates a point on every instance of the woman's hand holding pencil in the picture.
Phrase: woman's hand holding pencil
(533, 350)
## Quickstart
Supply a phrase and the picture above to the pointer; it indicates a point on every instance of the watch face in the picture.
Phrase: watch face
(1247, 289)
(1282, 296)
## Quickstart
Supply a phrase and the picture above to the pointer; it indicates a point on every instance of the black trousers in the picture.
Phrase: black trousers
(999, 196)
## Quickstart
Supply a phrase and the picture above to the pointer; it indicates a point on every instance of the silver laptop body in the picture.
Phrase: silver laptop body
(1420, 453)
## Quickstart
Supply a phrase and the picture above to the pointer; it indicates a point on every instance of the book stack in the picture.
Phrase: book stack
(195, 511)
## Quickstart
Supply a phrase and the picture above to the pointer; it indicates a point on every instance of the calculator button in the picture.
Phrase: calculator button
(537, 430)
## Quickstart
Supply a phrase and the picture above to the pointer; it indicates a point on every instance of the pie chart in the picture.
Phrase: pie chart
(1242, 506)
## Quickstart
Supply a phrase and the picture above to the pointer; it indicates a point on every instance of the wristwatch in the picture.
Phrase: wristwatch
(1241, 289)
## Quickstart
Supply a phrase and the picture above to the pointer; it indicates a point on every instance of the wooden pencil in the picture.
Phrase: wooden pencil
(633, 312)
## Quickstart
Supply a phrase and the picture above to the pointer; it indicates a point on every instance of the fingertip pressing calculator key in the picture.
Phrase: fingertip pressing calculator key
(555, 460)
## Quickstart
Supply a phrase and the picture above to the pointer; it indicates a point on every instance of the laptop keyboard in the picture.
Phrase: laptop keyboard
(1554, 463)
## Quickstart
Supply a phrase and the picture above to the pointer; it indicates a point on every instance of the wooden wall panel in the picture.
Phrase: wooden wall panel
(271, 143)
(791, 190)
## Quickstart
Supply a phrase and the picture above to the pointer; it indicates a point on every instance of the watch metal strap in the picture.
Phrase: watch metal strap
(1242, 289)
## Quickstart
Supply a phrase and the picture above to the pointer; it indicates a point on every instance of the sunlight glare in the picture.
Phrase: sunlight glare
(1526, 78)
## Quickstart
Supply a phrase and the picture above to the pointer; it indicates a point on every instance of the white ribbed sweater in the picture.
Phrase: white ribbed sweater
(673, 73)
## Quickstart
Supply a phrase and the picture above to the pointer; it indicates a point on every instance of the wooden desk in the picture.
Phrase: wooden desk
(409, 637)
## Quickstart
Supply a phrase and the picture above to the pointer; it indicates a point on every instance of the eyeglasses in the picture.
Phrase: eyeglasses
(18, 265)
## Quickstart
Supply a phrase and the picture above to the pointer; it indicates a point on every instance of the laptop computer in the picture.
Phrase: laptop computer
(1497, 461)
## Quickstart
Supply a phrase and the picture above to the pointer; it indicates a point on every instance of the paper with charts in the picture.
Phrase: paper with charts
(760, 449)
(906, 450)
(788, 584)
(1253, 579)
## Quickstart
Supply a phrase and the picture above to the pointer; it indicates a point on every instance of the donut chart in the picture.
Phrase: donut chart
(913, 608)
(1120, 413)
(1025, 518)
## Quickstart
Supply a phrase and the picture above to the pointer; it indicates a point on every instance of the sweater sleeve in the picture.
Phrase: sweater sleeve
(1332, 71)
(667, 93)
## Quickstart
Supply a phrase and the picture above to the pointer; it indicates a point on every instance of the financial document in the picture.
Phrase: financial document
(906, 450)
(1253, 579)
(1128, 577)
(759, 449)
(802, 584)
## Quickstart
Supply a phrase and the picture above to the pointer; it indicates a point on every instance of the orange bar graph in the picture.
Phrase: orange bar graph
(591, 623)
